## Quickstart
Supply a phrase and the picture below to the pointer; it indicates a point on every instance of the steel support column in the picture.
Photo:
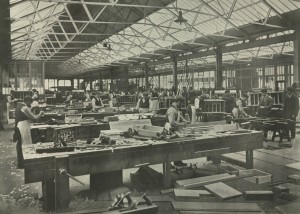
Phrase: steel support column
(218, 72)
(175, 69)
(126, 78)
(146, 71)
(297, 54)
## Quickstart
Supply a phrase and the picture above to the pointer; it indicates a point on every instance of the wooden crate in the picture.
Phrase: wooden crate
(259, 177)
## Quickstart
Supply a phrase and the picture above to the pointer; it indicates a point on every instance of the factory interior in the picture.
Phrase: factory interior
(150, 106)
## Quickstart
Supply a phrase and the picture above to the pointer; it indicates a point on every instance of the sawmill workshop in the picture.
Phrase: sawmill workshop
(150, 106)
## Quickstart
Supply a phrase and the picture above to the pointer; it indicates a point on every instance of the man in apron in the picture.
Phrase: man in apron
(175, 120)
(97, 103)
(22, 126)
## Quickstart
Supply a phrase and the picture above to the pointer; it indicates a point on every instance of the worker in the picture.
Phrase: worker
(143, 103)
(176, 120)
(88, 97)
(238, 110)
(154, 102)
(35, 95)
(185, 94)
(97, 102)
(229, 101)
(265, 104)
(10, 102)
(291, 110)
(69, 98)
(22, 126)
(229, 105)
(112, 99)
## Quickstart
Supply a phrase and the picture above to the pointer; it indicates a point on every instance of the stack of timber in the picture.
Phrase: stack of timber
(197, 182)
(213, 207)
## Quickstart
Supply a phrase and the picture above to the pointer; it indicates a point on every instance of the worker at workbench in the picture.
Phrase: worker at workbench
(97, 102)
(238, 110)
(265, 104)
(88, 96)
(176, 120)
(22, 126)
(143, 103)
(69, 98)
(154, 104)
(291, 110)
(229, 101)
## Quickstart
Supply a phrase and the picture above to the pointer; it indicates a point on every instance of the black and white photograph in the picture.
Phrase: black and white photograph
(149, 106)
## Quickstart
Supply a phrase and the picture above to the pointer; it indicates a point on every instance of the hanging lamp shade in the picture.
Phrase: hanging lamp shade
(180, 18)
(108, 47)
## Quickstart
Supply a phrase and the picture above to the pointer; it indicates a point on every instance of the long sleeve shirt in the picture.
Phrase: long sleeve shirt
(266, 101)
(291, 106)
(240, 107)
(27, 111)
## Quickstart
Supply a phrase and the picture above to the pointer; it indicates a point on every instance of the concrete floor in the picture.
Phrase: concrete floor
(13, 190)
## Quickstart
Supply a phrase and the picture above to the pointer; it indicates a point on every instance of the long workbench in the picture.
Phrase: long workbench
(105, 165)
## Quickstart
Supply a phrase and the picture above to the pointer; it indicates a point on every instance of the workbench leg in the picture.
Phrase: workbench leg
(249, 159)
(106, 180)
(48, 189)
(167, 174)
(62, 189)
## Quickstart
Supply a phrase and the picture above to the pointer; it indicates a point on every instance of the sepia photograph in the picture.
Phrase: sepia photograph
(149, 106)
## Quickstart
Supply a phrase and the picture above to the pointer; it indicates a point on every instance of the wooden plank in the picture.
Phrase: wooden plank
(294, 178)
(294, 166)
(124, 125)
(217, 212)
(154, 198)
(165, 191)
(190, 193)
(289, 208)
(203, 180)
(213, 206)
(258, 195)
(222, 191)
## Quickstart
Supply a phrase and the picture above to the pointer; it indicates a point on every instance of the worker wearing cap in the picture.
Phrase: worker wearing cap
(238, 110)
(175, 120)
(265, 104)
(291, 110)
(143, 103)
(22, 126)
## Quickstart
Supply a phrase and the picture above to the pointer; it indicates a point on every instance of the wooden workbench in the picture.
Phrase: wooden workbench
(45, 133)
(107, 164)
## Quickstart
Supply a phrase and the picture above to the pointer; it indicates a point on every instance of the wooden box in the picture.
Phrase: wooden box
(259, 177)
(149, 131)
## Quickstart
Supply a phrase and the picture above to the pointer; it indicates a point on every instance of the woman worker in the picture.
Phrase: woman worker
(22, 126)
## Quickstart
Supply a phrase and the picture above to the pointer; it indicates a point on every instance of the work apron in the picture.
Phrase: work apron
(24, 127)
(144, 110)
(154, 105)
